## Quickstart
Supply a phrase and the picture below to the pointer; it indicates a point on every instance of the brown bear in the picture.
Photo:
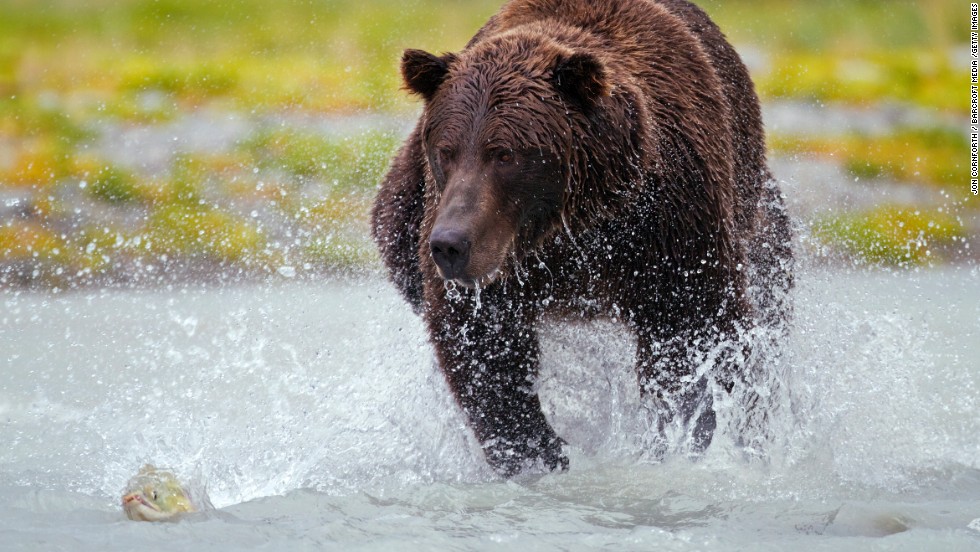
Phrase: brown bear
(584, 158)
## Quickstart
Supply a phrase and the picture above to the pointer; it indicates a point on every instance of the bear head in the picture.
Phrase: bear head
(501, 131)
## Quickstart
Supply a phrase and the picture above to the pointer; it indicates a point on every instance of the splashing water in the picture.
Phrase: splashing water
(317, 416)
(452, 290)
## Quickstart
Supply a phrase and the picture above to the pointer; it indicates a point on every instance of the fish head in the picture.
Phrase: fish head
(155, 495)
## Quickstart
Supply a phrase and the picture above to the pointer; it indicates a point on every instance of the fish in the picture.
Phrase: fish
(156, 495)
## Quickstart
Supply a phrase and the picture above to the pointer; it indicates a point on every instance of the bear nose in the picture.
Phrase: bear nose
(450, 251)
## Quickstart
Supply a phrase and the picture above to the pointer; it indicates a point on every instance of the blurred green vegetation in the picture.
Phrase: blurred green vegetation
(104, 57)
(937, 155)
(891, 235)
(348, 163)
(282, 198)
(71, 71)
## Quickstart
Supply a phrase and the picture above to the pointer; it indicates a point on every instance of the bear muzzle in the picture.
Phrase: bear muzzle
(451, 252)
(469, 257)
(473, 231)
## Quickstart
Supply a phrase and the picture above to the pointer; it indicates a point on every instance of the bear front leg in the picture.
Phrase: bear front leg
(668, 376)
(490, 363)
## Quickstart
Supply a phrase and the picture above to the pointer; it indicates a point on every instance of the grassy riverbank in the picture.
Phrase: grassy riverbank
(148, 60)
(280, 191)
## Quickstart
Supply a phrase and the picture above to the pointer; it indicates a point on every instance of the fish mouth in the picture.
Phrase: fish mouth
(138, 508)
(129, 499)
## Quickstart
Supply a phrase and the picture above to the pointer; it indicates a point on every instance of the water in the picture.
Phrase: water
(315, 415)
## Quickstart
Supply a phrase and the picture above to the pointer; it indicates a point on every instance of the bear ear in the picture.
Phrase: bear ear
(424, 72)
(581, 77)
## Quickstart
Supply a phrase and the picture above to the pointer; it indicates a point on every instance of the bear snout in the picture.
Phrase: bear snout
(451, 252)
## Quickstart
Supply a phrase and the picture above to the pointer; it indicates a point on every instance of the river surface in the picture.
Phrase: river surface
(316, 418)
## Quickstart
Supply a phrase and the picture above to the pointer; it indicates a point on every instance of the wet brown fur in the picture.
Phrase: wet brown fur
(663, 214)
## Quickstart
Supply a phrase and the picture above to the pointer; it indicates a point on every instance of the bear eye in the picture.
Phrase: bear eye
(504, 157)
(444, 155)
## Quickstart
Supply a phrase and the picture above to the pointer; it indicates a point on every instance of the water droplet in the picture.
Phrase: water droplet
(452, 293)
